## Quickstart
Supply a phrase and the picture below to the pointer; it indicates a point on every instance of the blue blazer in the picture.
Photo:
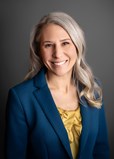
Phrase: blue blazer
(34, 129)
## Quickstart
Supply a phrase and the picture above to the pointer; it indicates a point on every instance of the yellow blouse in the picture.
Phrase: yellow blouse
(72, 122)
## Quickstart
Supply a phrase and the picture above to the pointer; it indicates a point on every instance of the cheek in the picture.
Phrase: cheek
(74, 53)
(43, 54)
(45, 57)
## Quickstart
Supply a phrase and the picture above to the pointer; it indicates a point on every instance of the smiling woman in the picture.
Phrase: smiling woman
(57, 112)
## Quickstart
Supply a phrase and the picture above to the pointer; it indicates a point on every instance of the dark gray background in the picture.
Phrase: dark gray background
(16, 21)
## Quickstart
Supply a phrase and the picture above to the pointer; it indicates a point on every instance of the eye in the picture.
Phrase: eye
(48, 45)
(65, 43)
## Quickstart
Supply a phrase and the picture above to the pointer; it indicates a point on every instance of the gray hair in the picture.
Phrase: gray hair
(81, 73)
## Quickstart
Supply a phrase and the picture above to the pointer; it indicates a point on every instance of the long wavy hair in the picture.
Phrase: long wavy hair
(86, 84)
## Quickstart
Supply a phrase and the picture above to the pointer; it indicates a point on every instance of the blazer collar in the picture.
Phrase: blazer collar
(44, 98)
(39, 79)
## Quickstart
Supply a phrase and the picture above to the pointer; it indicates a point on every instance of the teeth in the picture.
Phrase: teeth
(59, 63)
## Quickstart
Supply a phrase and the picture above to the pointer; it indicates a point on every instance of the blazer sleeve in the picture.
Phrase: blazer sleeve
(16, 128)
(101, 149)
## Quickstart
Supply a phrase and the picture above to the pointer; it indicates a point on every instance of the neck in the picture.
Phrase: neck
(61, 83)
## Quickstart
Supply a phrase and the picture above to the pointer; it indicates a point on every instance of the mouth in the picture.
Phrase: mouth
(59, 63)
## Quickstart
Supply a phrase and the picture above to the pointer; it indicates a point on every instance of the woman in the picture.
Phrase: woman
(57, 112)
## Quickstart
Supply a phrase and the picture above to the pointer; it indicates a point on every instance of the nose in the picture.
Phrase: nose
(58, 51)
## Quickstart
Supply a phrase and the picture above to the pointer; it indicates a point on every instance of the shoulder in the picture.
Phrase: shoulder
(20, 93)
(23, 86)
(27, 87)
(98, 81)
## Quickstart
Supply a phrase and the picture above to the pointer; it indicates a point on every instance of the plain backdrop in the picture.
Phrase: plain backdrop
(17, 18)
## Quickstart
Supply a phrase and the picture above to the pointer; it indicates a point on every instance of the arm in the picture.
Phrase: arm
(16, 128)
(101, 149)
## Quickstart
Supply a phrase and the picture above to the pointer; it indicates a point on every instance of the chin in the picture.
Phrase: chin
(61, 73)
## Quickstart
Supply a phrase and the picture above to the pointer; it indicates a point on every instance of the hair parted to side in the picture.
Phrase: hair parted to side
(82, 73)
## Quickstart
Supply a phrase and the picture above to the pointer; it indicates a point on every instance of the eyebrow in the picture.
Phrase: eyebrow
(47, 41)
(65, 39)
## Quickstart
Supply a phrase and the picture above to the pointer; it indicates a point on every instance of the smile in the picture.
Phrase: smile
(59, 63)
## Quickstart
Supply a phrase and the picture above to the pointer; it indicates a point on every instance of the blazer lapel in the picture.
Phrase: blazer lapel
(47, 104)
(84, 108)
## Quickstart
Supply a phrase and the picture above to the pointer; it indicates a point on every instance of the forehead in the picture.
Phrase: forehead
(51, 31)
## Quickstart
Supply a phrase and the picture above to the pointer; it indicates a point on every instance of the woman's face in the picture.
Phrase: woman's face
(57, 50)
